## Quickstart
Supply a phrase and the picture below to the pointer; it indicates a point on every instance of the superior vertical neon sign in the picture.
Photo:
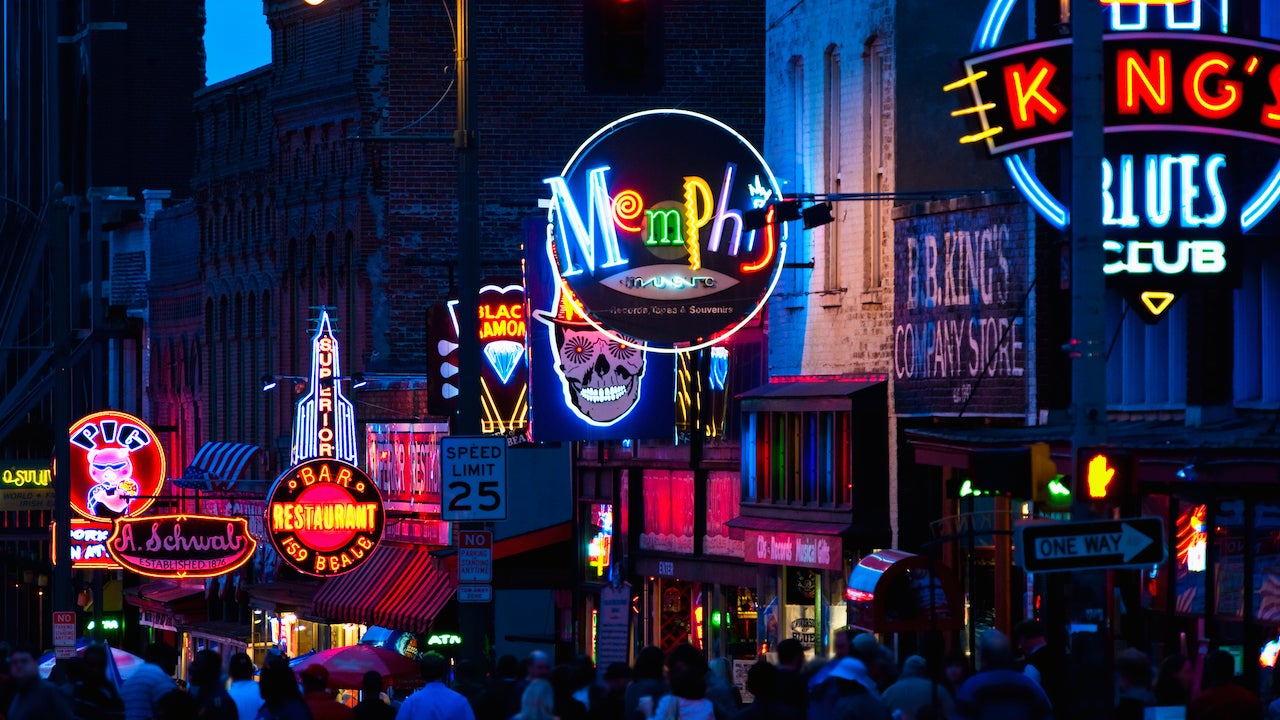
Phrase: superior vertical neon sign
(324, 422)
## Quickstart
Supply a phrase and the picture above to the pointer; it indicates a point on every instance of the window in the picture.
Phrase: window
(1257, 346)
(1146, 364)
(831, 123)
(622, 45)
(799, 458)
(872, 161)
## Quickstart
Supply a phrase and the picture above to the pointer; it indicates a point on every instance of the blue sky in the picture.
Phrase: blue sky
(236, 38)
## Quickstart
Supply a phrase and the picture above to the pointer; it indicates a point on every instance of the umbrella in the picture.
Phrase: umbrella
(347, 666)
(123, 664)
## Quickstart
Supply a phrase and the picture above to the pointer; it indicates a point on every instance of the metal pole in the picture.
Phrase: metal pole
(475, 620)
(60, 311)
(1090, 656)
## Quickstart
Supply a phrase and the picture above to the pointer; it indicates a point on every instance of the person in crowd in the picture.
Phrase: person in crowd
(956, 671)
(212, 700)
(244, 689)
(318, 697)
(611, 705)
(915, 689)
(371, 705)
(435, 701)
(564, 681)
(33, 697)
(503, 699)
(1173, 683)
(791, 688)
(841, 648)
(720, 690)
(470, 682)
(149, 682)
(1221, 696)
(1044, 663)
(536, 667)
(281, 699)
(1133, 685)
(687, 673)
(879, 660)
(646, 681)
(762, 685)
(537, 702)
(177, 704)
(94, 696)
(585, 688)
(999, 691)
(844, 677)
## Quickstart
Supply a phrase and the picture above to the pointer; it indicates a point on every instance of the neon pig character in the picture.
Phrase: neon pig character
(599, 375)
(114, 487)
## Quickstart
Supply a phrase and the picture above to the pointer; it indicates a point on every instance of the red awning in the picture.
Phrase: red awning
(399, 587)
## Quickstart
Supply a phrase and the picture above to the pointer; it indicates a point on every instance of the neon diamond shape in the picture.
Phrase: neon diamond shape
(504, 357)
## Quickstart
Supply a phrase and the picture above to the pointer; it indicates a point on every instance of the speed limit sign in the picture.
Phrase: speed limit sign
(473, 471)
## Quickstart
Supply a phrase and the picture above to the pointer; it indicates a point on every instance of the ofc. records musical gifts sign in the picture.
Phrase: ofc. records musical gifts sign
(324, 517)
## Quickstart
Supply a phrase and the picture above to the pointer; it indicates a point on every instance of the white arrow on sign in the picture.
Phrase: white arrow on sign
(1128, 543)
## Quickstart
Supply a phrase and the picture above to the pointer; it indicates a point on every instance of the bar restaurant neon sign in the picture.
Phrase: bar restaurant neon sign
(1177, 188)
(646, 231)
(324, 517)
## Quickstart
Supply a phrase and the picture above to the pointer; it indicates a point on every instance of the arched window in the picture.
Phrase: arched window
(832, 121)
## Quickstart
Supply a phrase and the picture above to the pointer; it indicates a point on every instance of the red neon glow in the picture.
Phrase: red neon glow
(1029, 94)
(868, 378)
(1271, 111)
(1099, 476)
(770, 242)
(117, 466)
(1146, 82)
(1195, 84)
(181, 546)
(324, 517)
(853, 595)
(1192, 537)
(627, 205)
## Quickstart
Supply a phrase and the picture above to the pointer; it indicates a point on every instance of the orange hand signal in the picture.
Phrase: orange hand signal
(1099, 476)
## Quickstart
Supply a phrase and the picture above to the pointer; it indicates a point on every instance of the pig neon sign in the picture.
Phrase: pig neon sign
(647, 236)
(117, 466)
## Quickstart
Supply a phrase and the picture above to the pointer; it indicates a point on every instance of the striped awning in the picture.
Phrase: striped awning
(399, 587)
(217, 466)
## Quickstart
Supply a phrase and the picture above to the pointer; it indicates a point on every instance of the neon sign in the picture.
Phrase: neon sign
(88, 545)
(646, 235)
(117, 466)
(504, 383)
(181, 546)
(600, 547)
(1177, 102)
(324, 421)
(324, 517)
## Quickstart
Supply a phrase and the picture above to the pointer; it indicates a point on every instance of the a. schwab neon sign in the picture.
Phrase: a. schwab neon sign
(647, 236)
(1175, 103)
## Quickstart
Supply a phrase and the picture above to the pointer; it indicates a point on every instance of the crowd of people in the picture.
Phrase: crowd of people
(861, 681)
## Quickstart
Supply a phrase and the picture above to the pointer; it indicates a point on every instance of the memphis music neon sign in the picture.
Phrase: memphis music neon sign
(647, 235)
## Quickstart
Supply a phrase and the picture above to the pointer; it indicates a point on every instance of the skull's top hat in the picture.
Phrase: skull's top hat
(565, 314)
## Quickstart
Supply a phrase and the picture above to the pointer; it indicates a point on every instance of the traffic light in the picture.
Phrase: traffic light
(1001, 471)
(1105, 476)
(1048, 486)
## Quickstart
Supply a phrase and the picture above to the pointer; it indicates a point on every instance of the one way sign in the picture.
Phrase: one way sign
(1127, 542)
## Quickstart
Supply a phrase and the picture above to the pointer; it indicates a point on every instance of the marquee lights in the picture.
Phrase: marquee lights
(324, 422)
(324, 517)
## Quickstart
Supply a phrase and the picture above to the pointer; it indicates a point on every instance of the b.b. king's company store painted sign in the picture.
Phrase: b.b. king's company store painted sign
(646, 230)
(324, 517)
(1192, 123)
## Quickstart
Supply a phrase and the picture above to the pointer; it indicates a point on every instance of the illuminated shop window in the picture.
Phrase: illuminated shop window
(799, 457)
